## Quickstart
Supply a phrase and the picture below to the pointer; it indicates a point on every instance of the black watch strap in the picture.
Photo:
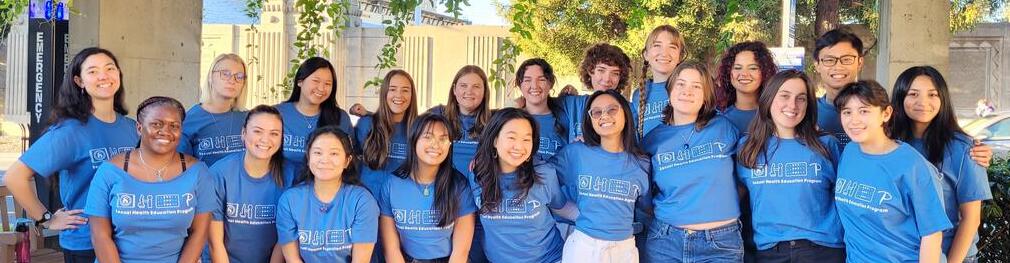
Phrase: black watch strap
(45, 218)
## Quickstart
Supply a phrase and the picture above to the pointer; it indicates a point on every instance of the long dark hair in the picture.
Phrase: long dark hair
(350, 174)
(707, 111)
(488, 172)
(453, 112)
(448, 182)
(376, 144)
(277, 159)
(629, 138)
(72, 101)
(941, 130)
(553, 103)
(726, 93)
(763, 126)
(329, 111)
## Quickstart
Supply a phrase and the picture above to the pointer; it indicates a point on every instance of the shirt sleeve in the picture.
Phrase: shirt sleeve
(360, 133)
(549, 178)
(467, 205)
(926, 203)
(56, 151)
(383, 199)
(98, 203)
(972, 179)
(220, 193)
(365, 226)
(287, 228)
(206, 199)
(186, 143)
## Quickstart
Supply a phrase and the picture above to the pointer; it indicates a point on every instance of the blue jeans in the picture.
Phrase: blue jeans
(79, 256)
(667, 243)
(800, 251)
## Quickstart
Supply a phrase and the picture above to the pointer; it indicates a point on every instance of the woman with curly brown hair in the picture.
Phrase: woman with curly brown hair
(605, 67)
(742, 71)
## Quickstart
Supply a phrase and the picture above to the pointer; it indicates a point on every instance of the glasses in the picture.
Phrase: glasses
(845, 60)
(439, 140)
(226, 75)
(597, 113)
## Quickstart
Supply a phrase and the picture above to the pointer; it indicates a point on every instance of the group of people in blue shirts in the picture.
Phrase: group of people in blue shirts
(740, 163)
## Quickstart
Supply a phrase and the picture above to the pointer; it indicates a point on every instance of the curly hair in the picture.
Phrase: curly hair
(609, 55)
(725, 94)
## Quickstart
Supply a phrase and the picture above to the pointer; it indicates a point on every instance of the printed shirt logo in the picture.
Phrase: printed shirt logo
(548, 146)
(654, 110)
(153, 204)
(608, 188)
(324, 240)
(99, 155)
(250, 214)
(418, 219)
(220, 144)
(294, 143)
(514, 209)
(862, 195)
(397, 151)
(667, 160)
(786, 173)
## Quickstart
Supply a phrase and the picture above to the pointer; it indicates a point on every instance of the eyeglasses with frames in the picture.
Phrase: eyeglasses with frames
(431, 138)
(845, 60)
(226, 75)
(597, 113)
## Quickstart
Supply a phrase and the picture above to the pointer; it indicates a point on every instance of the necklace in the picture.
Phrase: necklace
(688, 138)
(157, 172)
(424, 188)
(227, 122)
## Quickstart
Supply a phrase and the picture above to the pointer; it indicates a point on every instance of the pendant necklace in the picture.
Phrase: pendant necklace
(157, 172)
(424, 188)
(688, 138)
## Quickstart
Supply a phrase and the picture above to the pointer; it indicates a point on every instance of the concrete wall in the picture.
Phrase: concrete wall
(157, 43)
(909, 33)
(980, 67)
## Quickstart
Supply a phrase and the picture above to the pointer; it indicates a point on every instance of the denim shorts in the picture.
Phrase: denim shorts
(668, 243)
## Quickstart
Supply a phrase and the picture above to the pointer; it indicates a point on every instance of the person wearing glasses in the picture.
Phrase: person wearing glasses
(213, 128)
(607, 176)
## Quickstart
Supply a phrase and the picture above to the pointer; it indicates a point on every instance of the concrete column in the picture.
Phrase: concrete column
(157, 43)
(912, 33)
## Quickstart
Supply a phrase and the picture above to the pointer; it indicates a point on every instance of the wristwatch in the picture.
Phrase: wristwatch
(45, 217)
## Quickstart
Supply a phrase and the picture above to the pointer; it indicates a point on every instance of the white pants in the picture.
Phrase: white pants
(582, 248)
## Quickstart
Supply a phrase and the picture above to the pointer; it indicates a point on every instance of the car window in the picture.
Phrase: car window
(1000, 129)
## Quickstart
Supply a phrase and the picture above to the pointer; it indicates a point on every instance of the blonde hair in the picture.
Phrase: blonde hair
(207, 91)
(643, 91)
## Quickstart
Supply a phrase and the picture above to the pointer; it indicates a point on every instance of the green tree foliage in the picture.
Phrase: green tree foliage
(562, 29)
(994, 241)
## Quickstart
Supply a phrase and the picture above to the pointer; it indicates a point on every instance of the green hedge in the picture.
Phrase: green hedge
(994, 243)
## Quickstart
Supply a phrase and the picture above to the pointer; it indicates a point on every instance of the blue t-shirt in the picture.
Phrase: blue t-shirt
(326, 231)
(150, 220)
(464, 149)
(211, 136)
(964, 181)
(247, 207)
(75, 150)
(372, 179)
(829, 121)
(693, 172)
(792, 188)
(550, 140)
(523, 230)
(605, 187)
(887, 203)
(297, 128)
(416, 217)
(575, 109)
(740, 119)
(657, 100)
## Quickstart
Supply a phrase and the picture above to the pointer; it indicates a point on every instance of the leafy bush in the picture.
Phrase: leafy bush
(994, 242)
